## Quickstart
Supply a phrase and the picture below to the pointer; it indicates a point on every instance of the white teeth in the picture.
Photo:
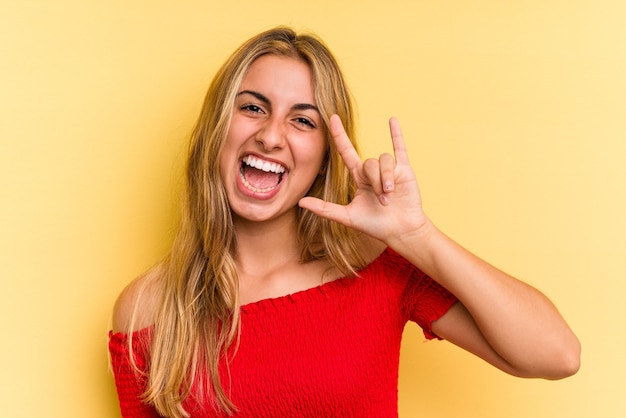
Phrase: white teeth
(256, 189)
(263, 165)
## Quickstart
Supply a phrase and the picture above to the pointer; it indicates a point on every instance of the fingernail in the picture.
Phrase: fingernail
(384, 199)
(388, 186)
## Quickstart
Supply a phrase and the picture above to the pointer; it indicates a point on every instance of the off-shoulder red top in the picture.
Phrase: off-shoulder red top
(329, 351)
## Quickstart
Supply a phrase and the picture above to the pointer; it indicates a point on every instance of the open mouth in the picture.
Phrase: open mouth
(260, 176)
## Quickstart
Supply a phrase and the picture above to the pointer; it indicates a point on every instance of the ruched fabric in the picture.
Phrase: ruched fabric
(329, 351)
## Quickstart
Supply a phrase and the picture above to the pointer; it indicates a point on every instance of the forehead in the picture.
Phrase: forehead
(279, 74)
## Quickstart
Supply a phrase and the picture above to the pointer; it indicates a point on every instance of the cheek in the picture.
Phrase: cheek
(222, 170)
(316, 150)
(227, 162)
(229, 149)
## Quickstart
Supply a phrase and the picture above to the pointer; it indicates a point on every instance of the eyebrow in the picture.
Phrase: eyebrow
(264, 99)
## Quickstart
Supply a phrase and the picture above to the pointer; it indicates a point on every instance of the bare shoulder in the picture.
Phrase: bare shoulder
(136, 306)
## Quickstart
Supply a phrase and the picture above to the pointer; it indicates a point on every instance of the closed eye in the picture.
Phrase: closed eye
(306, 122)
(251, 108)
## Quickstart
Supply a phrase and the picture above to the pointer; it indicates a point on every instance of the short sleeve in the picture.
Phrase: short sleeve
(424, 301)
(130, 383)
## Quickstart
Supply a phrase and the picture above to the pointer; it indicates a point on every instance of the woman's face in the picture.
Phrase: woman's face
(276, 143)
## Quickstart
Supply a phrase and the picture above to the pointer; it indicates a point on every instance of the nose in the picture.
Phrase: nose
(271, 136)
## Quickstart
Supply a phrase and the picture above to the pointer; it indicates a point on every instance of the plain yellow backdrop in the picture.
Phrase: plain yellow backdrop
(515, 117)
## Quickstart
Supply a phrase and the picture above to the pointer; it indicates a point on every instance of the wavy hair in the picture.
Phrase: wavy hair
(197, 319)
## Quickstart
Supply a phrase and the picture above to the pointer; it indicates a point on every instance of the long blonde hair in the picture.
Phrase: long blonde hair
(198, 315)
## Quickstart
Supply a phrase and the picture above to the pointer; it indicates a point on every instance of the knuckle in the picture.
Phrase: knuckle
(370, 163)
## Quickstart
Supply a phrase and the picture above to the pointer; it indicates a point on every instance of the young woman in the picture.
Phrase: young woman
(297, 265)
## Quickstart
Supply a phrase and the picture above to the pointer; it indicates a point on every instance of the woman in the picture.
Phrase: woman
(297, 265)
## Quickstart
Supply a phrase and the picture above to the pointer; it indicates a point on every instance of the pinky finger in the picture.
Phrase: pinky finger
(399, 146)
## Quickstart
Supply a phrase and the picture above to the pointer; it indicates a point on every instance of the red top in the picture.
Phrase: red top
(332, 350)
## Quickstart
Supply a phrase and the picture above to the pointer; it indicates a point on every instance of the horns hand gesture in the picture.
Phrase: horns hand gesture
(387, 203)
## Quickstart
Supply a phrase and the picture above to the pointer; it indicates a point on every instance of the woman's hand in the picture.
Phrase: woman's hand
(387, 203)
(497, 312)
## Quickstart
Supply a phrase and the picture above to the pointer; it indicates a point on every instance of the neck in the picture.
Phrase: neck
(262, 245)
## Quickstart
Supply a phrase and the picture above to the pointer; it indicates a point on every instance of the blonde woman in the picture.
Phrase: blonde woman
(297, 265)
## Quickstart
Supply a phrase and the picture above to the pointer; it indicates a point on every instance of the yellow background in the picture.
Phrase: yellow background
(514, 112)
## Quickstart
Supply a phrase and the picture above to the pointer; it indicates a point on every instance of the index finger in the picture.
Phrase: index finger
(343, 144)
